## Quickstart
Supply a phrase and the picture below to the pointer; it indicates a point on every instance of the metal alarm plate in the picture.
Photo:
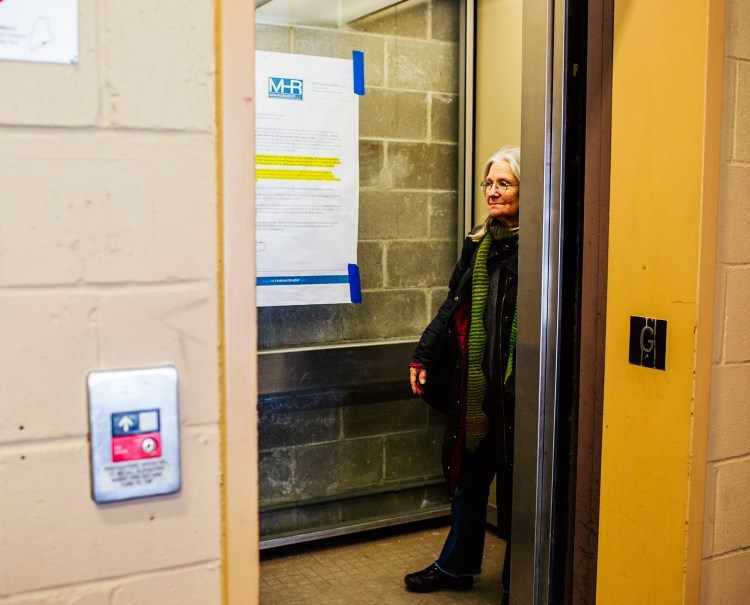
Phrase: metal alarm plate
(135, 437)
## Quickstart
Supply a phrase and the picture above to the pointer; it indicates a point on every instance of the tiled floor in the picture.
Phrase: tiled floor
(370, 570)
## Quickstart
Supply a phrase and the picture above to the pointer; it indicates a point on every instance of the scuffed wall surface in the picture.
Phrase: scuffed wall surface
(108, 258)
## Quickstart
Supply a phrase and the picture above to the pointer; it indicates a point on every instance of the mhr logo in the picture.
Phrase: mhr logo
(285, 88)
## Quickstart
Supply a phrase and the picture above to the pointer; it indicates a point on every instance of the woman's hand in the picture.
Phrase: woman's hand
(417, 378)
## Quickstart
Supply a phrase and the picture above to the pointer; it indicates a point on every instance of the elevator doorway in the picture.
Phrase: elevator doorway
(330, 377)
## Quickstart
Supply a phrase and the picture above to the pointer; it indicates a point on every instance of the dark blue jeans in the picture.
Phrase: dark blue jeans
(464, 546)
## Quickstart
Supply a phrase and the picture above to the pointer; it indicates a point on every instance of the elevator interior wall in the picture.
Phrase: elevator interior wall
(343, 442)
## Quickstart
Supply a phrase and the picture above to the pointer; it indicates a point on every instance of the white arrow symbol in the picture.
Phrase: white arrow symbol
(125, 423)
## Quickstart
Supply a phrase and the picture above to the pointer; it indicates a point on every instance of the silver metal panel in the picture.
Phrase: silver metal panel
(466, 121)
(355, 368)
(319, 13)
(135, 436)
(541, 143)
(290, 370)
(355, 528)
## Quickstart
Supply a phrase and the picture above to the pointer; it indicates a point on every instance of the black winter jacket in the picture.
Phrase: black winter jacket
(439, 350)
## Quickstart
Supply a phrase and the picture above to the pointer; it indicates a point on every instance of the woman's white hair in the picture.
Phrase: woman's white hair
(510, 154)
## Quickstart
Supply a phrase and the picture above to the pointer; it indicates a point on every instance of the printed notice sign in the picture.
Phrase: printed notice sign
(307, 180)
(39, 30)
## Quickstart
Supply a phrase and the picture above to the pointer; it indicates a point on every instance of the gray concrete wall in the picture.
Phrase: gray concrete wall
(408, 173)
(339, 456)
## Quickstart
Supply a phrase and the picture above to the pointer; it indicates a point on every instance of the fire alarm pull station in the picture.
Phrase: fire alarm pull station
(135, 437)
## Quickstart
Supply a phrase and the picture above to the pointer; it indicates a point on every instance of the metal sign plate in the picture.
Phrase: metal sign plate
(648, 342)
(135, 439)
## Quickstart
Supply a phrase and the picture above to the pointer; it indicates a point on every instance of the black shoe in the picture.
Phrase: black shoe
(432, 579)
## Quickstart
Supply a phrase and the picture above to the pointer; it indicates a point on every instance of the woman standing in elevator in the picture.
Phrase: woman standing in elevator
(464, 365)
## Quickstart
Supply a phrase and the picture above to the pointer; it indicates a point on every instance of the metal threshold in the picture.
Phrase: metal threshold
(443, 511)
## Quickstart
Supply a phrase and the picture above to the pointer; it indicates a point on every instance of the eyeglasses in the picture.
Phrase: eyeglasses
(500, 186)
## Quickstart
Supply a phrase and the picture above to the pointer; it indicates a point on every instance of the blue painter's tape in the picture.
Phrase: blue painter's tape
(358, 62)
(355, 288)
(301, 280)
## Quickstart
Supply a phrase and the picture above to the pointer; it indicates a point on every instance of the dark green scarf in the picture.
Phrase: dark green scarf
(477, 422)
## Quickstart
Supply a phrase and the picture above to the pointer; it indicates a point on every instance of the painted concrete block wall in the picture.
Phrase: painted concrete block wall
(726, 543)
(408, 172)
(337, 457)
(108, 254)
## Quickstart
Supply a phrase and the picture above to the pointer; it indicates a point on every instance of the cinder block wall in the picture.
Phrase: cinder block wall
(108, 254)
(726, 543)
(340, 456)
(408, 173)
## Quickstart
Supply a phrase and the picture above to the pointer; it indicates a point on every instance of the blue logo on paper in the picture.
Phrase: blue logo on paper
(285, 88)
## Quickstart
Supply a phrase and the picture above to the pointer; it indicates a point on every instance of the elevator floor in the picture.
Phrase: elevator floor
(370, 569)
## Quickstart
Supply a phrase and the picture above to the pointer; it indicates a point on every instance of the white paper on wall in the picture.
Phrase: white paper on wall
(307, 180)
(39, 30)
